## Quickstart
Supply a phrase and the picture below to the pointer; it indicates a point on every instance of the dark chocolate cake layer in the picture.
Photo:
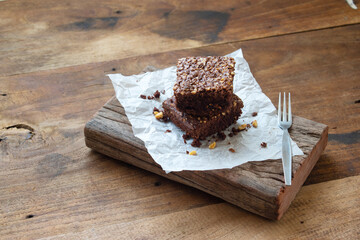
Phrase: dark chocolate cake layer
(201, 127)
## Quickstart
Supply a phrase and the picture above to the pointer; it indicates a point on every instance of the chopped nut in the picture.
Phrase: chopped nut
(143, 96)
(167, 130)
(155, 112)
(193, 91)
(193, 152)
(212, 145)
(254, 114)
(263, 144)
(242, 127)
(232, 150)
(254, 123)
(159, 115)
(232, 73)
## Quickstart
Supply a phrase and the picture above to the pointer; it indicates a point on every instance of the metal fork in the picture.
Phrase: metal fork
(285, 123)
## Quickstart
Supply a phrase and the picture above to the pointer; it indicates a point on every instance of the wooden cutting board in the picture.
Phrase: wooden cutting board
(255, 186)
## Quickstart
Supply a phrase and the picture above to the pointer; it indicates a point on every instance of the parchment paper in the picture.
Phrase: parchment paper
(169, 150)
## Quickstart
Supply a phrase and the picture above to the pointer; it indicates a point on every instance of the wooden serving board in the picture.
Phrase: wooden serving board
(255, 186)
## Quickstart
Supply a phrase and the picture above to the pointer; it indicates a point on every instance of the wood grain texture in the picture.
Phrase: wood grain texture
(38, 35)
(258, 187)
(317, 213)
(68, 189)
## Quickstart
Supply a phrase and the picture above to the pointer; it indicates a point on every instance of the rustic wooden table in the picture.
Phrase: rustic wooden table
(54, 57)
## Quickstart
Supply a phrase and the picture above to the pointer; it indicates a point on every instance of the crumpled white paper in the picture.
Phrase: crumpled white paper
(168, 148)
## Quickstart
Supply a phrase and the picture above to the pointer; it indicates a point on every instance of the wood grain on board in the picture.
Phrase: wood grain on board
(48, 172)
(255, 186)
(38, 35)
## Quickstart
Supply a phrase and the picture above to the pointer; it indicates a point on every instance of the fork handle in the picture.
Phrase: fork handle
(286, 156)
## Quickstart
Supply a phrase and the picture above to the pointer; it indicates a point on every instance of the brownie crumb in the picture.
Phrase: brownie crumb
(254, 114)
(143, 96)
(231, 134)
(186, 136)
(156, 94)
(235, 131)
(150, 97)
(187, 152)
(229, 143)
(162, 91)
(196, 143)
(156, 109)
(165, 119)
(232, 150)
(263, 144)
(167, 130)
(221, 136)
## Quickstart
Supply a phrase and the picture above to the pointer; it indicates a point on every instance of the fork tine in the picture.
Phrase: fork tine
(279, 108)
(289, 114)
(284, 108)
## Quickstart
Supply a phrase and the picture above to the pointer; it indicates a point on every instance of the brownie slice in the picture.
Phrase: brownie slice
(202, 81)
(201, 127)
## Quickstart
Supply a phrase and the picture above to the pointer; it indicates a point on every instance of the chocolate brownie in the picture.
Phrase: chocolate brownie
(202, 81)
(201, 127)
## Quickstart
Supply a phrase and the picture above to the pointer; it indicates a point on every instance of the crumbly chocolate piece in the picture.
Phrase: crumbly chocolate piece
(201, 127)
(254, 114)
(196, 143)
(143, 96)
(167, 130)
(263, 144)
(221, 136)
(235, 131)
(156, 94)
(203, 82)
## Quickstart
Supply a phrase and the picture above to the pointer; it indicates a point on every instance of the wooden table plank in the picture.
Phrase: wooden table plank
(317, 213)
(38, 35)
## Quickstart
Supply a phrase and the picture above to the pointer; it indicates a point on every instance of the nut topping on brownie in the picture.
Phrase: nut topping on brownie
(202, 81)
